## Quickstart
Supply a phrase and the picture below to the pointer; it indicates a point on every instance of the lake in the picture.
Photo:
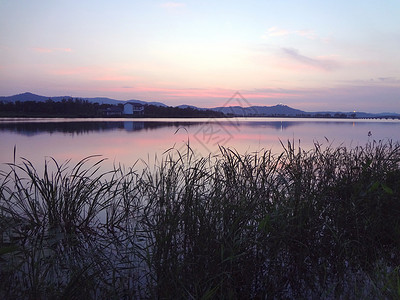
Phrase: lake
(236, 225)
(125, 141)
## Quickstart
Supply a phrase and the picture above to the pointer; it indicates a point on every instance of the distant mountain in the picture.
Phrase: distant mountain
(37, 98)
(145, 102)
(102, 100)
(277, 110)
(359, 115)
(113, 101)
(24, 97)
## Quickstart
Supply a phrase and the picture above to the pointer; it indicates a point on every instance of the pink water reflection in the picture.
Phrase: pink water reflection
(125, 142)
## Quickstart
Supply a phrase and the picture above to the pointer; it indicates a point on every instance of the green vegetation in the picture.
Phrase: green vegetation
(323, 223)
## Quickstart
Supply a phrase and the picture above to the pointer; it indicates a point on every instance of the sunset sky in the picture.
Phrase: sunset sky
(311, 55)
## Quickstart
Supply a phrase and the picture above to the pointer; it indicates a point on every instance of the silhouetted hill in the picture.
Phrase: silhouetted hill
(359, 115)
(24, 97)
(101, 100)
(279, 110)
(276, 110)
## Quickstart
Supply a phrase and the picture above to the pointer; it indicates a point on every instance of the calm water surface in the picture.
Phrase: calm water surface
(125, 141)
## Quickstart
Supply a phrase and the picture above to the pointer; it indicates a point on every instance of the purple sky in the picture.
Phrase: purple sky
(311, 55)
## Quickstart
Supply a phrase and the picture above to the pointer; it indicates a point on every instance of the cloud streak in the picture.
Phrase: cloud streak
(389, 80)
(116, 78)
(276, 32)
(318, 63)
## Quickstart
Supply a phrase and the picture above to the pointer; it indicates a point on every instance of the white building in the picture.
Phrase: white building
(133, 109)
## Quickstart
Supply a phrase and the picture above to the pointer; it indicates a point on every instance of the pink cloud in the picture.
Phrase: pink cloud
(64, 49)
(275, 31)
(115, 78)
(71, 71)
(43, 50)
(306, 33)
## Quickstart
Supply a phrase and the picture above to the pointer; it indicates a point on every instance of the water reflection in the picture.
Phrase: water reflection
(31, 128)
(83, 127)
(125, 140)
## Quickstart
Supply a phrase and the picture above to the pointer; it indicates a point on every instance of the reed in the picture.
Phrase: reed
(321, 223)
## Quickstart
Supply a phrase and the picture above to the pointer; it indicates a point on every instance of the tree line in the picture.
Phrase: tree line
(83, 108)
(65, 107)
(177, 112)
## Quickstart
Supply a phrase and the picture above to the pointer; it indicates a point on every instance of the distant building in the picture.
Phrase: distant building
(112, 111)
(133, 109)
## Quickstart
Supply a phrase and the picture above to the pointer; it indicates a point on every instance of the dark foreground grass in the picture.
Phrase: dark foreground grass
(323, 223)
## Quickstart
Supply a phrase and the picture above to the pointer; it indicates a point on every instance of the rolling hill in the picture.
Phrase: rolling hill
(279, 110)
(101, 100)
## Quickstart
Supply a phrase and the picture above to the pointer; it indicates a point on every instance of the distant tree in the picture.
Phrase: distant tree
(176, 112)
(69, 107)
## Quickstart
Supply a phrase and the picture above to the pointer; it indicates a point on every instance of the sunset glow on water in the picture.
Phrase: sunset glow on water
(126, 141)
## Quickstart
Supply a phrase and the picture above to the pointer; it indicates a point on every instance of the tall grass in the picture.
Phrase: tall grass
(322, 223)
